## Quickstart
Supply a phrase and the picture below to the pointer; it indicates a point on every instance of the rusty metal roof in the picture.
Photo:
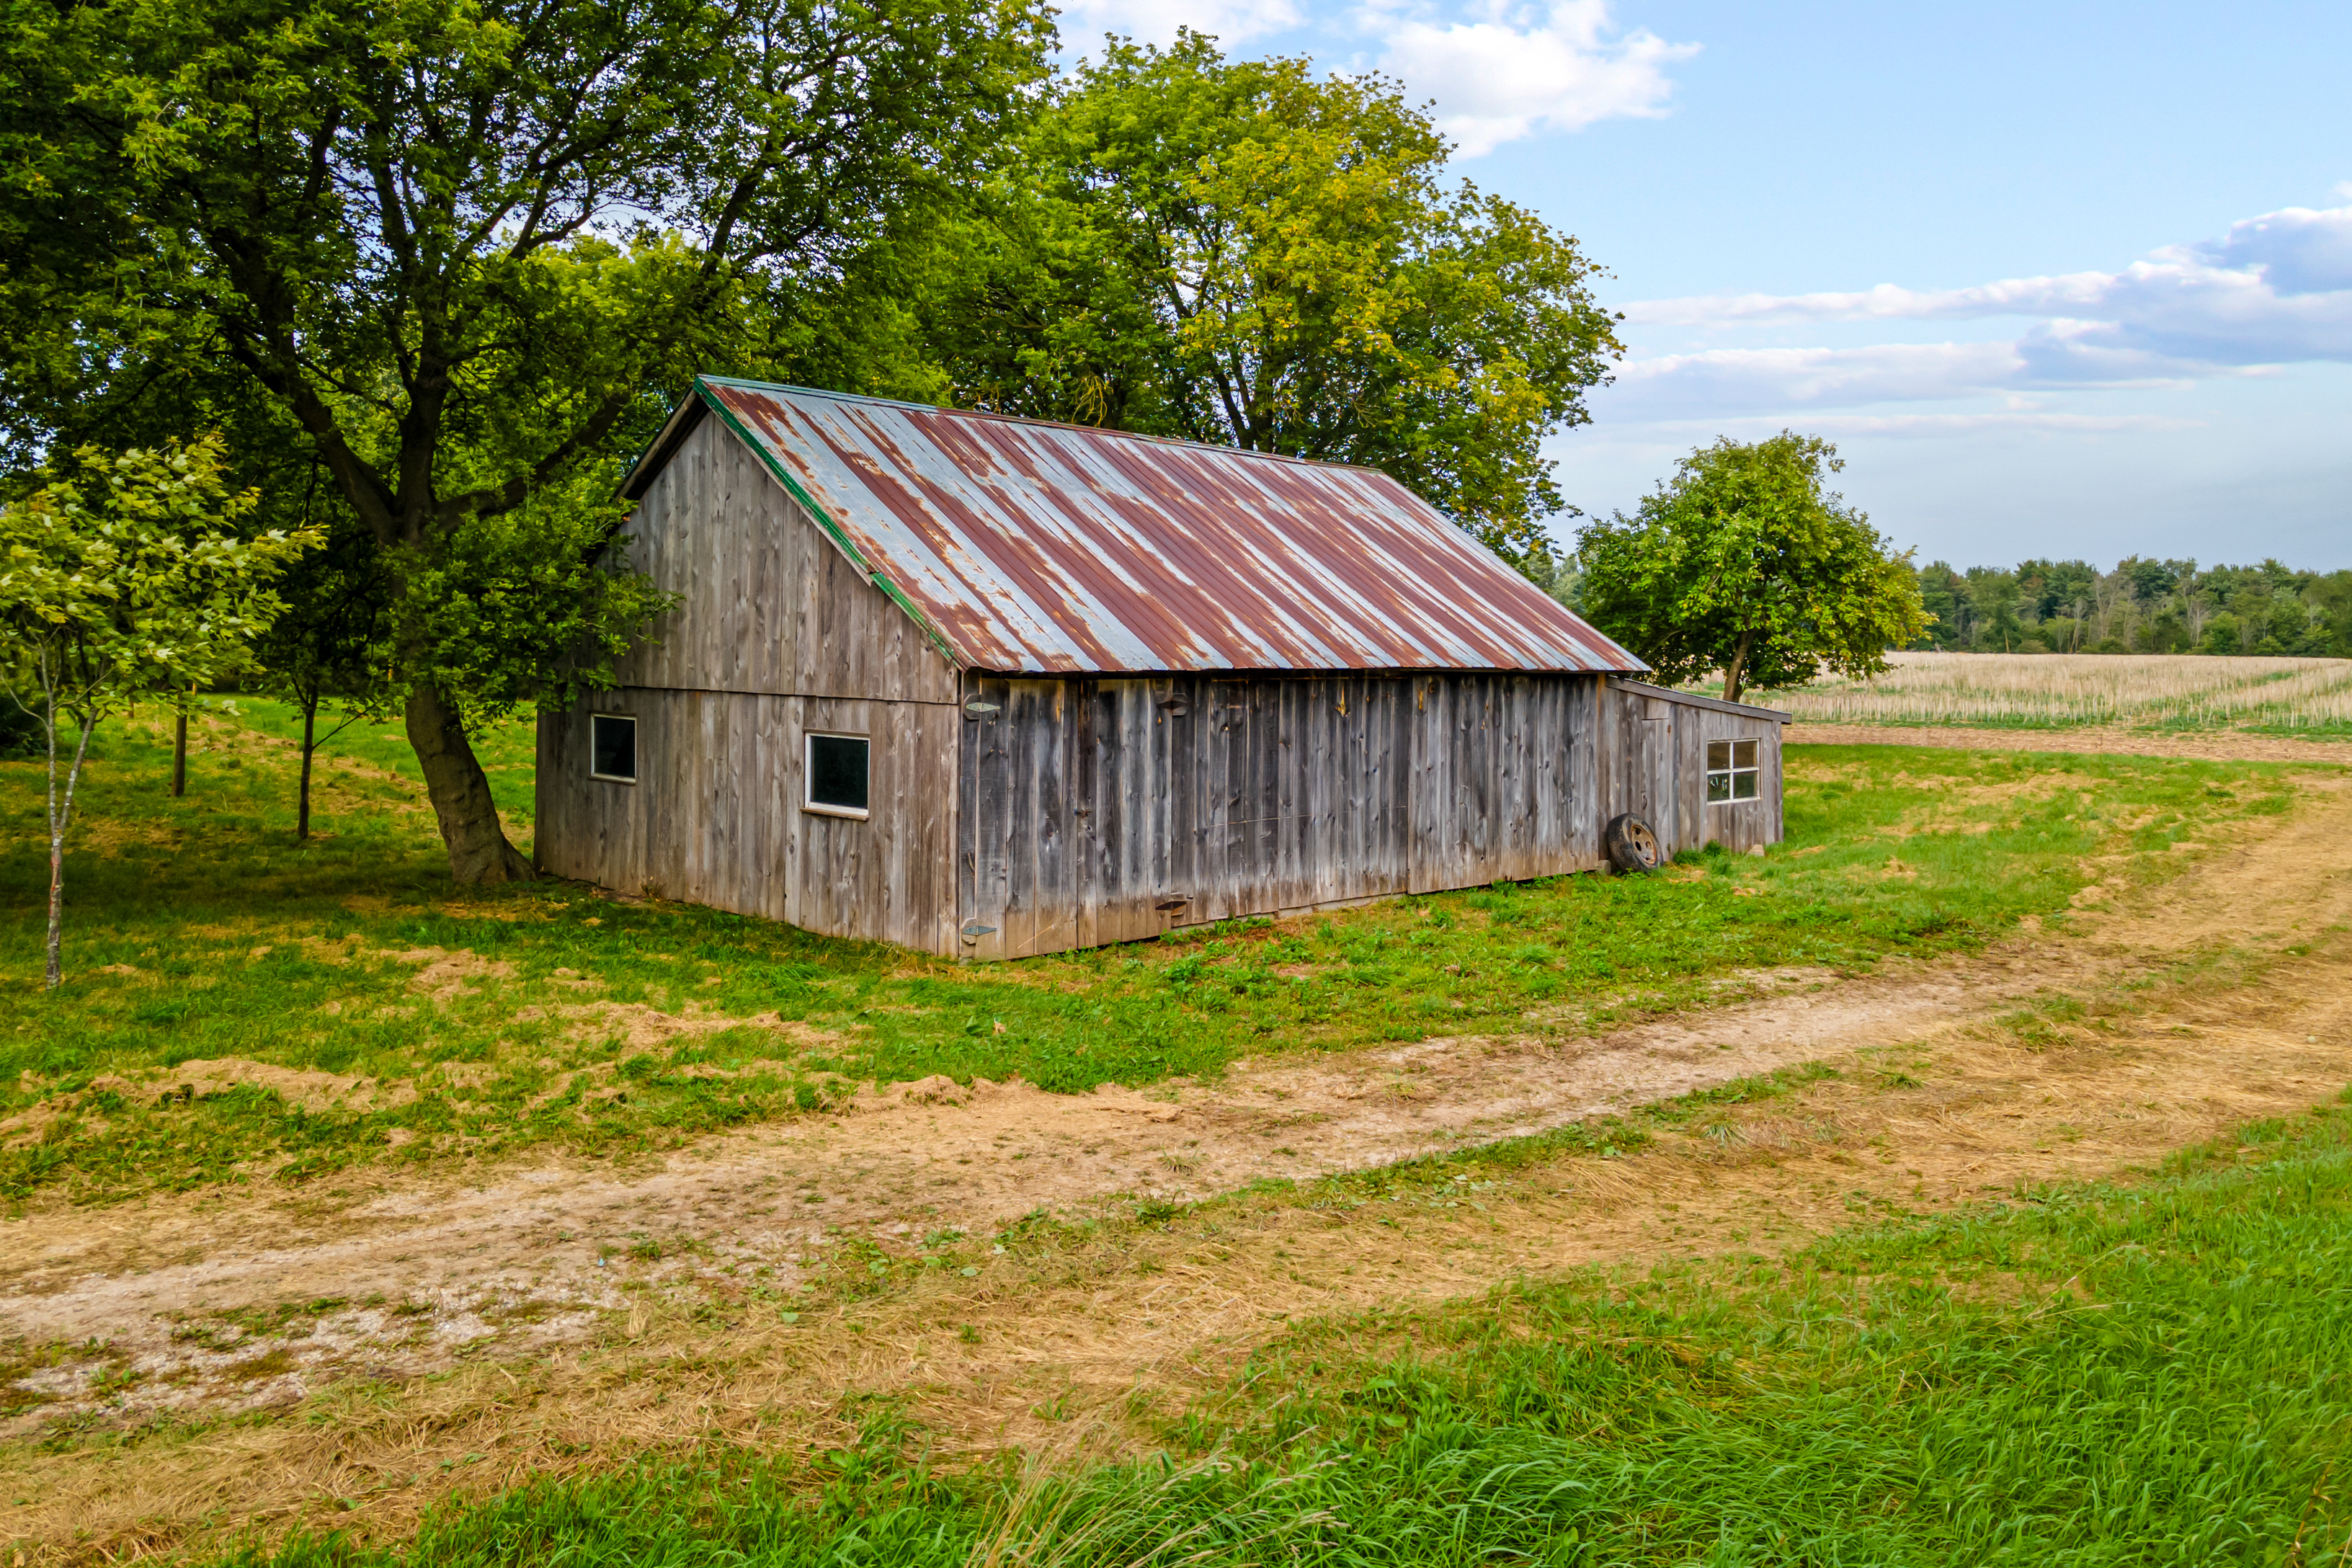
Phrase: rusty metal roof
(1025, 546)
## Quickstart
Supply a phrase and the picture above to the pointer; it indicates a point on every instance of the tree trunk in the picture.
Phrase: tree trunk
(478, 850)
(60, 819)
(310, 744)
(179, 753)
(1733, 671)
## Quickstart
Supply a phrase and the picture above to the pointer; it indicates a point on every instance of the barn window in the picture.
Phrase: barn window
(837, 769)
(1732, 773)
(613, 747)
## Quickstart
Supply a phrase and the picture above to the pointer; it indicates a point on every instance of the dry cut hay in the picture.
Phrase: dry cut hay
(2065, 689)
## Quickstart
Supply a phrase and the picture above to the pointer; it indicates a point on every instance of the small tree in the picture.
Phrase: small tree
(130, 576)
(1744, 561)
(332, 649)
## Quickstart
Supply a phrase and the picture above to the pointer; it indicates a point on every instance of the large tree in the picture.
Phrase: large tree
(1747, 563)
(1242, 252)
(466, 246)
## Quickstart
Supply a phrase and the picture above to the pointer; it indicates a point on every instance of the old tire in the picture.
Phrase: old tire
(1631, 845)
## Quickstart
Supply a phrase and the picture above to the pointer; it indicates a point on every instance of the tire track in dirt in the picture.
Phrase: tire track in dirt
(924, 1156)
(931, 1156)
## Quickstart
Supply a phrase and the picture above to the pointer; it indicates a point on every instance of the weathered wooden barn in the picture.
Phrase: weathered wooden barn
(993, 687)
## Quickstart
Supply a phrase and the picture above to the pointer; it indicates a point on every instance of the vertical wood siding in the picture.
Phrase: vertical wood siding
(768, 603)
(776, 634)
(1503, 779)
(715, 816)
(1100, 810)
(1654, 764)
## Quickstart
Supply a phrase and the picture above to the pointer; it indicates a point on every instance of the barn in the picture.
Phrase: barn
(991, 687)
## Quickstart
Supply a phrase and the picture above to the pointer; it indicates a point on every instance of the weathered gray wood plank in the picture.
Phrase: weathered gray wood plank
(1068, 815)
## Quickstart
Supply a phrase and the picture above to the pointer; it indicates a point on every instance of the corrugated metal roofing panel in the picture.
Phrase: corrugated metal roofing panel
(1034, 547)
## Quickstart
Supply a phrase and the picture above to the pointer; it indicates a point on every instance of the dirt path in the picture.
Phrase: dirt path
(920, 1158)
(578, 1312)
(2209, 745)
(542, 1243)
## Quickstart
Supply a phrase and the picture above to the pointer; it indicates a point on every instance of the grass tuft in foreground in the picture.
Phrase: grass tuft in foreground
(2103, 1374)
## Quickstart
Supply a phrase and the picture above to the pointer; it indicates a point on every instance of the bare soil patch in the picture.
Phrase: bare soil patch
(909, 1157)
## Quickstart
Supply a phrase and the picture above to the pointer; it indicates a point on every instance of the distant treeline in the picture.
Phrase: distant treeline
(2072, 606)
(2141, 607)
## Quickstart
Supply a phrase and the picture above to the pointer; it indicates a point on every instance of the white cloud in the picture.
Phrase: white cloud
(1730, 380)
(1938, 424)
(1508, 69)
(1887, 301)
(2297, 251)
(2276, 290)
(1520, 70)
(2063, 356)
(1914, 425)
(1084, 22)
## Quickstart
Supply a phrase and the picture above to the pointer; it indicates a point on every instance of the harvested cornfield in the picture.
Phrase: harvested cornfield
(2064, 691)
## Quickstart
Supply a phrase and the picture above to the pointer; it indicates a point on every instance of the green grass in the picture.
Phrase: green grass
(199, 930)
(2101, 1374)
(507, 752)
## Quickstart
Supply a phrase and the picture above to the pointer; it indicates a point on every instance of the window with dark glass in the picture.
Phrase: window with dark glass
(837, 770)
(613, 747)
(1732, 771)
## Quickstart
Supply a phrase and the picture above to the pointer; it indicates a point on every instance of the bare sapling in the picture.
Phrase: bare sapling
(330, 654)
(61, 800)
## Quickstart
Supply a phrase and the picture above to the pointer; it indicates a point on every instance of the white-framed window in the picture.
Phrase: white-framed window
(613, 747)
(839, 768)
(1733, 773)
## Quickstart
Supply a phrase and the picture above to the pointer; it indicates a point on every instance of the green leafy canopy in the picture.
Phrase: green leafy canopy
(132, 575)
(1243, 253)
(129, 576)
(465, 250)
(1744, 562)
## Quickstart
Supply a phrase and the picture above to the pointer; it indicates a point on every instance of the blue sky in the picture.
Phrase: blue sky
(2058, 280)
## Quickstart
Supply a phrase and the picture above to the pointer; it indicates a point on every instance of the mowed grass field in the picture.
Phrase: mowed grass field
(2085, 1376)
(2157, 691)
(240, 1008)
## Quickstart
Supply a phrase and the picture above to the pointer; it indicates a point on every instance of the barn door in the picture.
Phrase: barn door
(1020, 837)
(982, 849)
(1119, 797)
(1653, 770)
(1087, 883)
